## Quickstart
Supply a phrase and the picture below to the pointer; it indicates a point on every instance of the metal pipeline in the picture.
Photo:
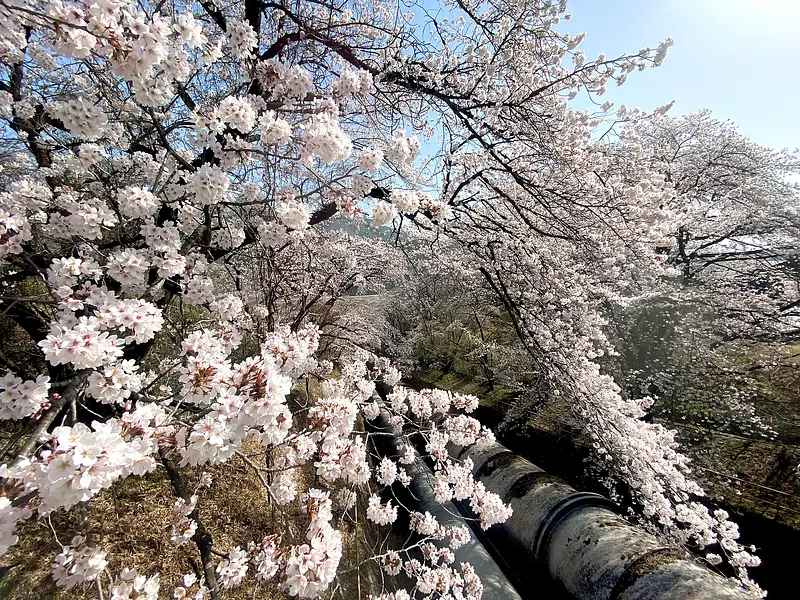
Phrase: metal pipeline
(578, 542)
(496, 585)
(573, 540)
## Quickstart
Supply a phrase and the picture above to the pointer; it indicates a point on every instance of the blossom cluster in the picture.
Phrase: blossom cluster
(323, 138)
(78, 563)
(20, 399)
(305, 570)
(293, 215)
(90, 341)
(133, 586)
(10, 518)
(184, 527)
(84, 461)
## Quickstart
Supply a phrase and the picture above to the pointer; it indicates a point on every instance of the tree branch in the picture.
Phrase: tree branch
(202, 538)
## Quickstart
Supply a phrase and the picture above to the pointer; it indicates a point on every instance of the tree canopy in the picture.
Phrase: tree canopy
(194, 192)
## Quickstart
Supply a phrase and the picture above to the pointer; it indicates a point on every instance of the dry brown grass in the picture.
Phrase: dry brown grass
(132, 524)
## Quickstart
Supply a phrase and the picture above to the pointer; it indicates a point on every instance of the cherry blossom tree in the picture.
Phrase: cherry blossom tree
(171, 174)
(446, 317)
(169, 165)
(735, 207)
(728, 308)
(735, 233)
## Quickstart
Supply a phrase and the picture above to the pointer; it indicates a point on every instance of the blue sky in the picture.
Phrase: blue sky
(739, 58)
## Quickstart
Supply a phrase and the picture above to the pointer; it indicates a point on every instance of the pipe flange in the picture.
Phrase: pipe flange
(558, 512)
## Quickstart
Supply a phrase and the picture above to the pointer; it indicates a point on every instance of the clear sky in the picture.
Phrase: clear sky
(739, 58)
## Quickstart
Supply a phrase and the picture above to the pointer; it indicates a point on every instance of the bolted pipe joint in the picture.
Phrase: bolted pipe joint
(579, 543)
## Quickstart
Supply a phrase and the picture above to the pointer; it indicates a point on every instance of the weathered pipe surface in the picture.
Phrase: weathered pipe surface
(496, 585)
(580, 543)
